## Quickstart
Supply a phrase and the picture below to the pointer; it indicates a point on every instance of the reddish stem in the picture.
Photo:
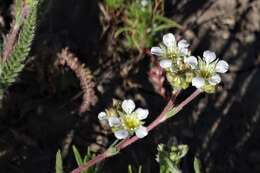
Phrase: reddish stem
(123, 144)
(157, 120)
(12, 35)
(90, 163)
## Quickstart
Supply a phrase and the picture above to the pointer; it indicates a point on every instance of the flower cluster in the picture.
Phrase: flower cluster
(182, 68)
(125, 120)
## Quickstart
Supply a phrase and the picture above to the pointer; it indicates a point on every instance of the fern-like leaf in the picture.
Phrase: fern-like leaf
(14, 63)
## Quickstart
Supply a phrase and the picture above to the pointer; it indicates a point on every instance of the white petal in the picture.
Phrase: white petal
(198, 82)
(183, 44)
(102, 116)
(222, 66)
(128, 106)
(141, 132)
(156, 51)
(142, 113)
(169, 40)
(214, 80)
(165, 63)
(114, 121)
(192, 61)
(184, 51)
(209, 56)
(121, 134)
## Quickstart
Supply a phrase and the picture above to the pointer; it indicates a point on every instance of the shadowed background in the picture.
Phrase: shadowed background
(222, 129)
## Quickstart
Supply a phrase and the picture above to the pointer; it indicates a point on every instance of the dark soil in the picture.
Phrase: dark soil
(40, 112)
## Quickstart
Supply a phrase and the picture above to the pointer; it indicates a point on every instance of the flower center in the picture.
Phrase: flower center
(130, 122)
(204, 73)
(172, 55)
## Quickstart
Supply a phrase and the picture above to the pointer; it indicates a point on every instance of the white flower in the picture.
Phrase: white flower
(128, 121)
(102, 116)
(128, 106)
(213, 80)
(171, 48)
(141, 132)
(169, 40)
(114, 121)
(156, 51)
(183, 44)
(121, 134)
(166, 63)
(132, 120)
(192, 61)
(206, 69)
(141, 113)
(183, 47)
(198, 82)
(209, 56)
(222, 66)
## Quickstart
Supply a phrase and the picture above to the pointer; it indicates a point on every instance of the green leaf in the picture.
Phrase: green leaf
(140, 169)
(88, 156)
(58, 165)
(163, 27)
(77, 156)
(130, 169)
(167, 21)
(80, 160)
(121, 30)
(197, 165)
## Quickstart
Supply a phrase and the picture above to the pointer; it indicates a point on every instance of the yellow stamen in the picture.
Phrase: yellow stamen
(130, 122)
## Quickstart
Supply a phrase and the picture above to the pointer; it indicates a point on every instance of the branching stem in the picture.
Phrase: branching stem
(161, 118)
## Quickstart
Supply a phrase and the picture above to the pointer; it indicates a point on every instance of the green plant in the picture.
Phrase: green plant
(169, 158)
(58, 164)
(142, 20)
(83, 159)
(113, 4)
(175, 58)
(17, 44)
(130, 169)
(197, 165)
(80, 160)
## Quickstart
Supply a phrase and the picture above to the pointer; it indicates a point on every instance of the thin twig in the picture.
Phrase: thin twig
(84, 75)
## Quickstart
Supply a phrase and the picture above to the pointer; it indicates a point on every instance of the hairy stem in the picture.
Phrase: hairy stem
(12, 36)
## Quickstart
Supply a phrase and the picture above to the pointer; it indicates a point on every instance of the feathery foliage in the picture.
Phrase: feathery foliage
(15, 62)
